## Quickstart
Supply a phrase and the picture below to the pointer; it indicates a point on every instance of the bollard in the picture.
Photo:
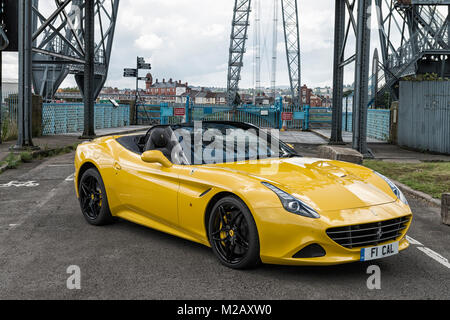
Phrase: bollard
(445, 208)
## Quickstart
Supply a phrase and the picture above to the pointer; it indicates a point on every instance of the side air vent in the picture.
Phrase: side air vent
(312, 251)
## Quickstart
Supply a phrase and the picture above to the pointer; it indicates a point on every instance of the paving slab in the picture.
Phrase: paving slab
(302, 137)
(346, 136)
(59, 141)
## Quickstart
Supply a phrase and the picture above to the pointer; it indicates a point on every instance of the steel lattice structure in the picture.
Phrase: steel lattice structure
(239, 36)
(414, 39)
(59, 42)
(352, 18)
(289, 10)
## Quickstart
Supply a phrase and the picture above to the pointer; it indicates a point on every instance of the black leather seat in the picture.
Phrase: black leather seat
(160, 140)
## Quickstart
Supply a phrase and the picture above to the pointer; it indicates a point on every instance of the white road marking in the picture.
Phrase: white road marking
(19, 184)
(47, 198)
(60, 165)
(432, 254)
(413, 241)
(71, 177)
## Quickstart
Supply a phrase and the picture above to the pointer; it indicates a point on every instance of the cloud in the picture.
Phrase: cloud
(148, 42)
(189, 41)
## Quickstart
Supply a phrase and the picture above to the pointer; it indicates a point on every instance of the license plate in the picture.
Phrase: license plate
(378, 252)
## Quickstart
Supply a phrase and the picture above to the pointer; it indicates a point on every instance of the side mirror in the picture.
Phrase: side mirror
(154, 156)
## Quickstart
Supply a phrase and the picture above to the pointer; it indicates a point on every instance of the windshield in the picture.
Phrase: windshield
(209, 143)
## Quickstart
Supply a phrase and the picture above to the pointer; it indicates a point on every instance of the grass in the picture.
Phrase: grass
(9, 130)
(432, 178)
(12, 161)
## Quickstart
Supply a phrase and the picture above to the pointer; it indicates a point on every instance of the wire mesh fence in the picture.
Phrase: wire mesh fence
(63, 118)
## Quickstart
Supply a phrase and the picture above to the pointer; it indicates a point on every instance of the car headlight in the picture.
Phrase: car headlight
(394, 188)
(292, 204)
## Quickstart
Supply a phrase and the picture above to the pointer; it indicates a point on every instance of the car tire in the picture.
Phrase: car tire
(234, 237)
(93, 199)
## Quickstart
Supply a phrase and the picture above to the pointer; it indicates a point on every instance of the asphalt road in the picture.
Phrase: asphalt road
(42, 233)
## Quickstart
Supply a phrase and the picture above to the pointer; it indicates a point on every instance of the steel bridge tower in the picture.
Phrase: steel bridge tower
(59, 43)
(414, 37)
(53, 45)
(239, 35)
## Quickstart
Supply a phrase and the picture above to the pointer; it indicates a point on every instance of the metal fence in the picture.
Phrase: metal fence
(424, 115)
(378, 123)
(8, 113)
(261, 116)
(65, 118)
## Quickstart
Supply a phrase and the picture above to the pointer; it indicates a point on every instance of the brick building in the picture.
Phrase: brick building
(308, 98)
(169, 88)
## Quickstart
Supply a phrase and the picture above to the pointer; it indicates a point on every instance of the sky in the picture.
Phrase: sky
(188, 40)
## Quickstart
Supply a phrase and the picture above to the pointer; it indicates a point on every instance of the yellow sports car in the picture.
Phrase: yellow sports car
(244, 193)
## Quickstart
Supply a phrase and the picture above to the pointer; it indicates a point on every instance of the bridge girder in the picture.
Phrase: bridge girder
(59, 43)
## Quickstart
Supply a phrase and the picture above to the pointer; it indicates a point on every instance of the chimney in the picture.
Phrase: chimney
(157, 81)
(164, 80)
(170, 80)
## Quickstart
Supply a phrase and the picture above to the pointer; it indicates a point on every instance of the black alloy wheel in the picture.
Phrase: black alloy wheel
(93, 199)
(233, 234)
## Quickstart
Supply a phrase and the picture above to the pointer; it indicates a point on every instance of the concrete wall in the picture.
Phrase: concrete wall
(424, 115)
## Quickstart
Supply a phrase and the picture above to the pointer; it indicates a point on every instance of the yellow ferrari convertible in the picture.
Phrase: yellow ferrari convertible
(244, 193)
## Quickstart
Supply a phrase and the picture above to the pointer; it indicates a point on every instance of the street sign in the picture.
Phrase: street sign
(130, 73)
(179, 111)
(287, 116)
(145, 66)
(141, 64)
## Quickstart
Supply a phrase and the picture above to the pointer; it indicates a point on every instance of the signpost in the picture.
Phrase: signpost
(134, 73)
(130, 73)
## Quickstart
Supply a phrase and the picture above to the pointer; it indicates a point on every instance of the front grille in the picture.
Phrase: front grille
(369, 234)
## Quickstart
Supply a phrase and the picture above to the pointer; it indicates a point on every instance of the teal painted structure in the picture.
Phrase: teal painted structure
(63, 118)
(378, 123)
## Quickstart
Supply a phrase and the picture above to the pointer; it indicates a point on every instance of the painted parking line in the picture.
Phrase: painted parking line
(18, 184)
(430, 253)
(61, 165)
(42, 202)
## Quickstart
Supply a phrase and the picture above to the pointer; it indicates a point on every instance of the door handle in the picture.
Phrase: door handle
(117, 166)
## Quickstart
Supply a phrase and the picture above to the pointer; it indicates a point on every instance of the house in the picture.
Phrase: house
(170, 88)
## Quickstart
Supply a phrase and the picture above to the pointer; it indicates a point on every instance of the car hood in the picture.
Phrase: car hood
(325, 185)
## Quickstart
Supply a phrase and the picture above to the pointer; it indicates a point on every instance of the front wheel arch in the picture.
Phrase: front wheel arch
(86, 166)
(210, 206)
(217, 197)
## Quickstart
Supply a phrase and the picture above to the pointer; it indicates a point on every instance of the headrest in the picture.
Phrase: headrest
(160, 138)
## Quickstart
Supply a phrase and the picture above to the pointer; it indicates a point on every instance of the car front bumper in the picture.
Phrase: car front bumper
(283, 234)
